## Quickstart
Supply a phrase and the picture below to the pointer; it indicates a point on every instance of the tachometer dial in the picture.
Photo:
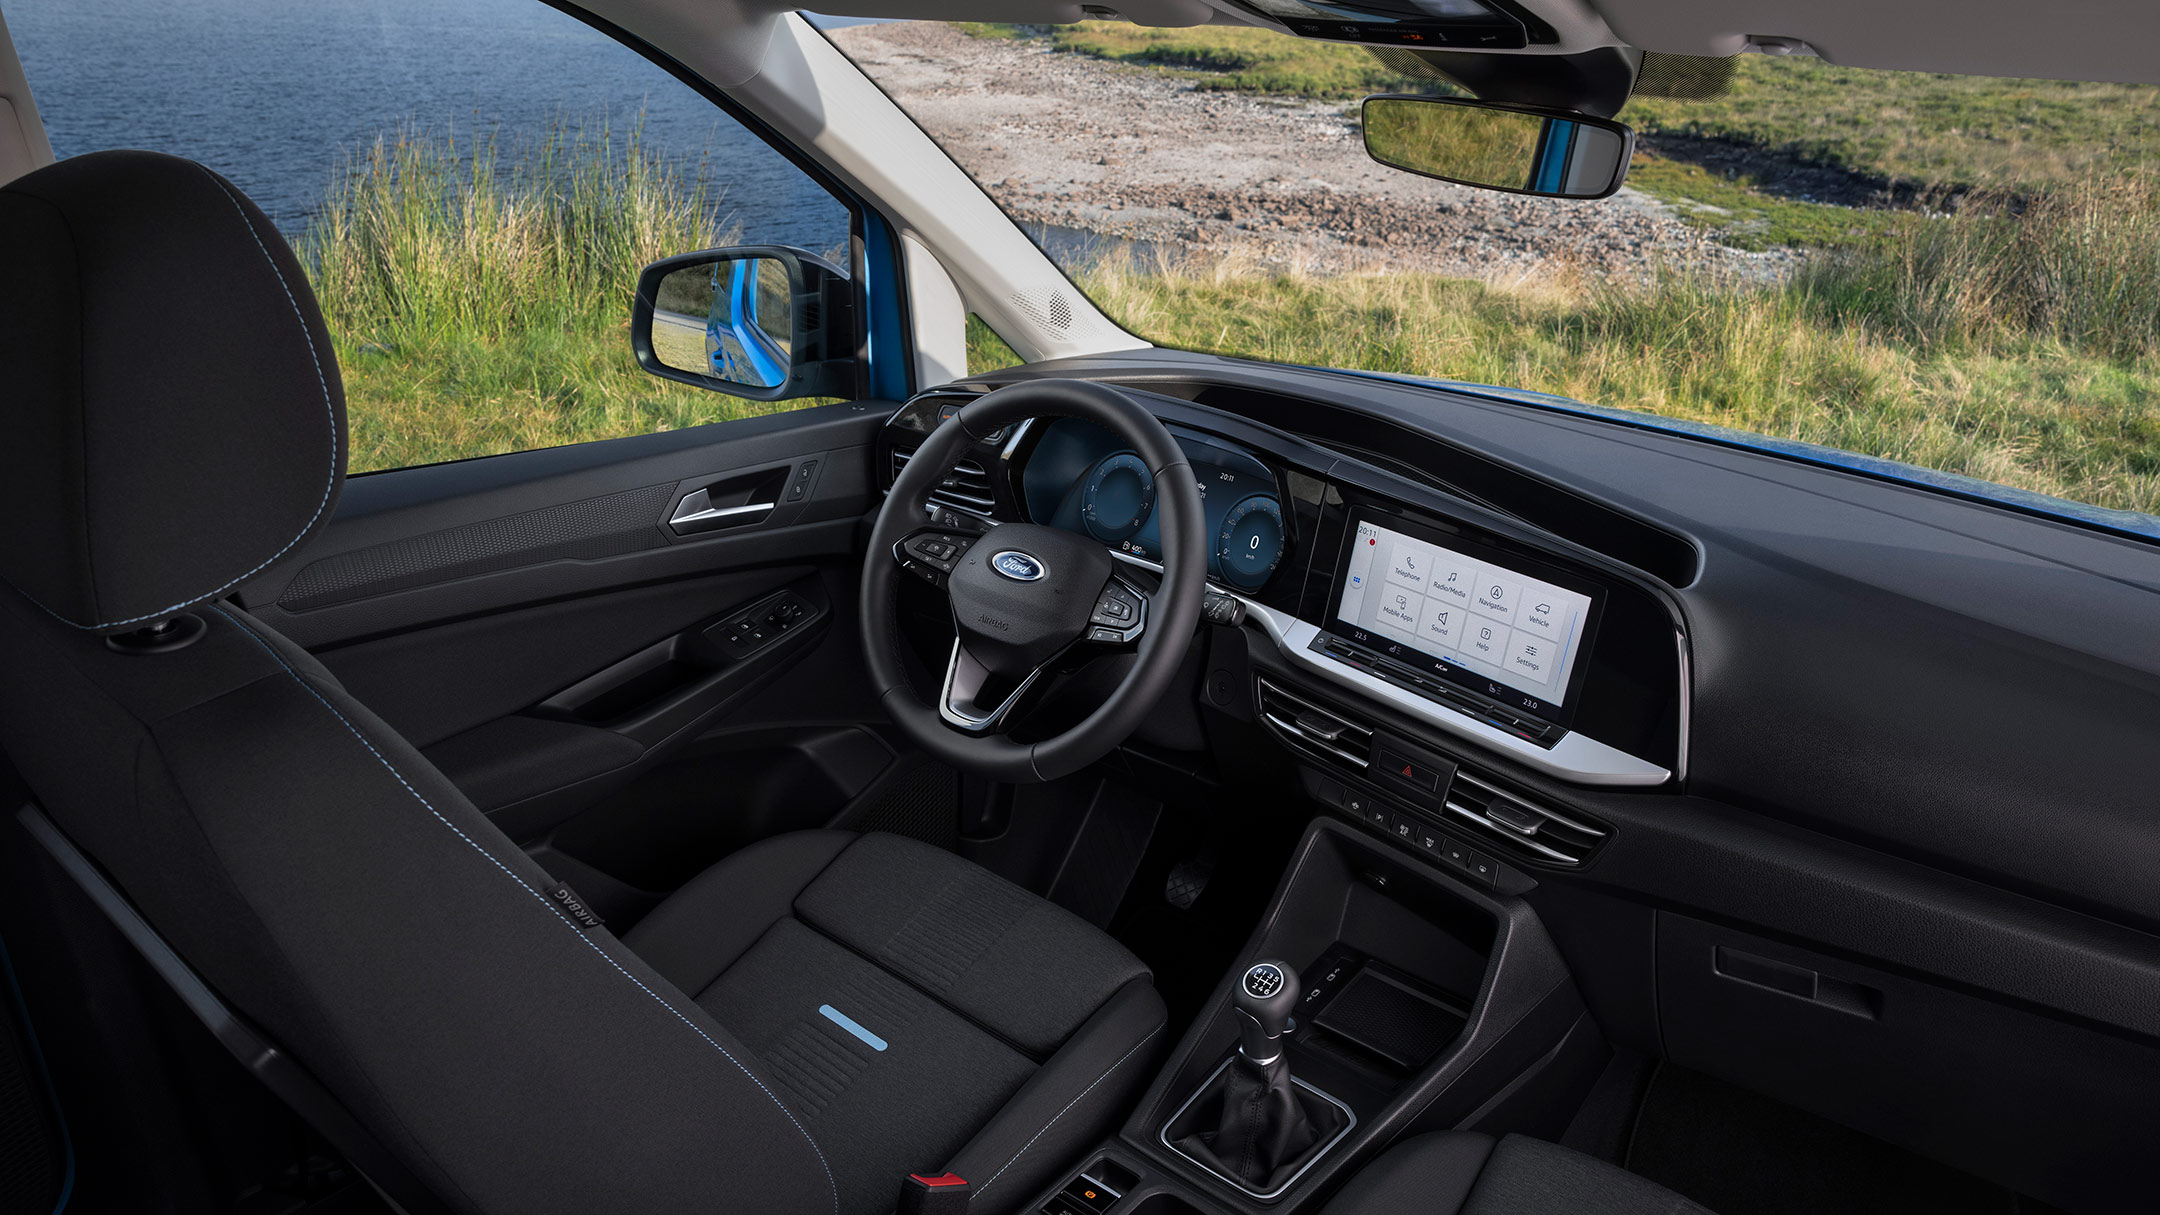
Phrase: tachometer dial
(1118, 497)
(1250, 541)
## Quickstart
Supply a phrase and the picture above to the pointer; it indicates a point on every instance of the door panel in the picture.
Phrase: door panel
(565, 632)
(422, 546)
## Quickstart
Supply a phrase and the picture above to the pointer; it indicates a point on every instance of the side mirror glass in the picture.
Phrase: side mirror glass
(760, 321)
(1519, 149)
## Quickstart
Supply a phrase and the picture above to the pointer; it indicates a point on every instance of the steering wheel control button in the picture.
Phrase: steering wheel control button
(932, 556)
(1120, 613)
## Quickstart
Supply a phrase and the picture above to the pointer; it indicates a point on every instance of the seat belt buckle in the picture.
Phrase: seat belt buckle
(944, 1194)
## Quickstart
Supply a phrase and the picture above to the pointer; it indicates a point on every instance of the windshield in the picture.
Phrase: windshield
(1956, 273)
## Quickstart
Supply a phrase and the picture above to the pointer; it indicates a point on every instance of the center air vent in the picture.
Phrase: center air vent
(1305, 722)
(1497, 814)
(967, 486)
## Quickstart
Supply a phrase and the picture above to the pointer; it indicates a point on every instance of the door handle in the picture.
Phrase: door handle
(698, 508)
(696, 513)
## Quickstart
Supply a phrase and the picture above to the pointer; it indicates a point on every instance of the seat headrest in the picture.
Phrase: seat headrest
(171, 420)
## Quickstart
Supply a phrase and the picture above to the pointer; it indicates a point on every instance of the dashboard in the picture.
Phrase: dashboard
(1362, 584)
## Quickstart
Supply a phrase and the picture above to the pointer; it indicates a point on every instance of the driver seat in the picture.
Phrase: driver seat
(793, 1032)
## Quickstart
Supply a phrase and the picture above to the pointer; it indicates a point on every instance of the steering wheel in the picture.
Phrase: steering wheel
(1026, 598)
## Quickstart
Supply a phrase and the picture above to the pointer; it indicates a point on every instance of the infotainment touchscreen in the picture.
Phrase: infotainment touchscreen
(1469, 614)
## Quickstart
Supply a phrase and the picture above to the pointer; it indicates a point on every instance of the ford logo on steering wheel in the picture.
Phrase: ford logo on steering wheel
(1016, 565)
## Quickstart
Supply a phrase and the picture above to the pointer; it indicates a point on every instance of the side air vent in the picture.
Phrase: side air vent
(1542, 832)
(1305, 722)
(967, 486)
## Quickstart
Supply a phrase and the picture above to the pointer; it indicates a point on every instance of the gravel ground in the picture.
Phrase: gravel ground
(1080, 143)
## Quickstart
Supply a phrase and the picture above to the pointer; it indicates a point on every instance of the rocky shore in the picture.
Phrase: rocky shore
(1136, 155)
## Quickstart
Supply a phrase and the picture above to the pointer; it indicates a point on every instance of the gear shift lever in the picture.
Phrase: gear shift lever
(1266, 995)
(1250, 1123)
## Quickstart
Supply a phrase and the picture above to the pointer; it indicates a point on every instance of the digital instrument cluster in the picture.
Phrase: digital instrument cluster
(1078, 478)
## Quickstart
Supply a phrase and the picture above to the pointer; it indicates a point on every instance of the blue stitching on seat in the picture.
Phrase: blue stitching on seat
(542, 900)
(328, 485)
(1068, 1109)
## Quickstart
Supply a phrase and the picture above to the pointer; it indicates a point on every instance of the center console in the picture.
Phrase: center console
(1381, 997)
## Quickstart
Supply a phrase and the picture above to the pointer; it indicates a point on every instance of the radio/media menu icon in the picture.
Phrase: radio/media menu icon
(1452, 580)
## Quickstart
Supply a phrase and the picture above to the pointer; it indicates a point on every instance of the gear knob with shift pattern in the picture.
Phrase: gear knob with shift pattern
(1266, 996)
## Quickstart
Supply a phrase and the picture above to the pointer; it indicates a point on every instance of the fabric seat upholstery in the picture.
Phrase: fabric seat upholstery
(174, 425)
(983, 997)
(1460, 1173)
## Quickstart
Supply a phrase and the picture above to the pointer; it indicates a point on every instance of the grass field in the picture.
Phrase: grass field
(1920, 130)
(479, 298)
(479, 304)
(1910, 126)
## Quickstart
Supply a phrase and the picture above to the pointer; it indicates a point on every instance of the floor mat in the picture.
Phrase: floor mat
(1739, 1153)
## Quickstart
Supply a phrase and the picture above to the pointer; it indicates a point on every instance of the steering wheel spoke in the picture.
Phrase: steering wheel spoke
(932, 554)
(976, 699)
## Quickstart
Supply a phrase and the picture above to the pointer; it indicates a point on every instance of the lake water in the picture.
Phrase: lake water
(275, 94)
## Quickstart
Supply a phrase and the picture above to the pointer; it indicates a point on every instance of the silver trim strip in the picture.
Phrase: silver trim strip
(1687, 703)
(966, 682)
(1349, 1125)
(1533, 803)
(1295, 732)
(1576, 757)
(1520, 840)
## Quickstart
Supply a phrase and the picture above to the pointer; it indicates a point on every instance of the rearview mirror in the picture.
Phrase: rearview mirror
(1519, 149)
(759, 321)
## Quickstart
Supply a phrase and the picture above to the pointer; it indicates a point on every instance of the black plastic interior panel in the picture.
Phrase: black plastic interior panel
(421, 546)
(432, 683)
(1415, 452)
(2053, 1111)
(596, 527)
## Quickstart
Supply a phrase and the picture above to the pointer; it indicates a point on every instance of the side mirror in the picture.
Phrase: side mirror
(759, 321)
(1519, 149)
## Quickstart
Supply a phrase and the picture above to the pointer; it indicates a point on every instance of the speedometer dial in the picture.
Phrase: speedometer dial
(1249, 543)
(1118, 497)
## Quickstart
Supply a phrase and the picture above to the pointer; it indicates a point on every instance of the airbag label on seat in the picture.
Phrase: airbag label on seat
(574, 907)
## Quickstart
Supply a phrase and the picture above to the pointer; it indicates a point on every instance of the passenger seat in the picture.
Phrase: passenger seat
(1460, 1173)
